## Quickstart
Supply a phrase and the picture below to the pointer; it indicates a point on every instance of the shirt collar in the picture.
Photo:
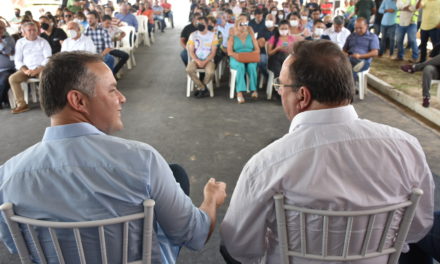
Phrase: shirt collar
(70, 130)
(324, 116)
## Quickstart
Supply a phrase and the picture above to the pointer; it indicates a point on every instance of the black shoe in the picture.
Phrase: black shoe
(425, 102)
(203, 93)
(196, 93)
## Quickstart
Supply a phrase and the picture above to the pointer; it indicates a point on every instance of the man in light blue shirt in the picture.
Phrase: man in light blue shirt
(79, 173)
(388, 25)
(127, 17)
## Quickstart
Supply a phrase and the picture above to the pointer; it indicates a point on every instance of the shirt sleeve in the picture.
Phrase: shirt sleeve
(374, 43)
(346, 47)
(271, 40)
(244, 228)
(10, 46)
(382, 7)
(182, 222)
(91, 46)
(47, 52)
(107, 40)
(18, 58)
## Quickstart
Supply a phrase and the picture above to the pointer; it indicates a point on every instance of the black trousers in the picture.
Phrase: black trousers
(181, 177)
(4, 85)
(123, 58)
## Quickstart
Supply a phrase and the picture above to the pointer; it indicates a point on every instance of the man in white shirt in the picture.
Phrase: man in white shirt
(338, 33)
(202, 46)
(330, 160)
(77, 41)
(31, 54)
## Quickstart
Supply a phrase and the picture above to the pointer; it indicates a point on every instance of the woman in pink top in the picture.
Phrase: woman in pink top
(278, 47)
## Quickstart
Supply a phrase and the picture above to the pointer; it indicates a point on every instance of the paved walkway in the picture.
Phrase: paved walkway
(211, 137)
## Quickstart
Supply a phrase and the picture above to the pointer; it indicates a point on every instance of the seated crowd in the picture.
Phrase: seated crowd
(27, 44)
(330, 159)
(269, 28)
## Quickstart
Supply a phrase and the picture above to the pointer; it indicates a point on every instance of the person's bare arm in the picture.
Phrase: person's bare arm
(182, 43)
(372, 53)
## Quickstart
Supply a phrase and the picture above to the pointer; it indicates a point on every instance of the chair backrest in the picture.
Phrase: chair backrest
(128, 40)
(367, 249)
(142, 24)
(13, 222)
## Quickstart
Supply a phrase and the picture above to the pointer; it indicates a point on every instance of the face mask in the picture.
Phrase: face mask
(284, 32)
(17, 14)
(280, 16)
(304, 18)
(286, 10)
(274, 13)
(329, 25)
(72, 33)
(268, 23)
(319, 31)
(294, 23)
(252, 17)
(210, 28)
(44, 26)
(201, 27)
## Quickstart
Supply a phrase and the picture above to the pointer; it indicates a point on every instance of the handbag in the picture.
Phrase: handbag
(248, 57)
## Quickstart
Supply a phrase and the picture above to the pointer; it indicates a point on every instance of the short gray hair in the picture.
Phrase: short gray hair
(338, 20)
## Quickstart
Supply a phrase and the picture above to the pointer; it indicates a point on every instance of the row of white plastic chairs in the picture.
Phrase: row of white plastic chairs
(128, 44)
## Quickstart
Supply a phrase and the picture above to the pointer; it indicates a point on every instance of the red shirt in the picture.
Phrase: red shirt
(327, 6)
(166, 6)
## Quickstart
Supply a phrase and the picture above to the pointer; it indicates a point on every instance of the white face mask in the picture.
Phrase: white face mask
(252, 17)
(274, 13)
(294, 23)
(284, 32)
(269, 23)
(72, 33)
(319, 31)
(304, 18)
(280, 16)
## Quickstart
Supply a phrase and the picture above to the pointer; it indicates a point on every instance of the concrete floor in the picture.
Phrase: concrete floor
(211, 137)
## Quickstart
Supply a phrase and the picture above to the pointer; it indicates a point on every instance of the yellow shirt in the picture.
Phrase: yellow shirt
(430, 17)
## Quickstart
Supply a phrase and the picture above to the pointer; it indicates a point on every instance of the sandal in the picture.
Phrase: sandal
(254, 95)
(240, 99)
(407, 68)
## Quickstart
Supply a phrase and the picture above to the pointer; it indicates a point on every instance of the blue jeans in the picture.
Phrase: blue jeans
(423, 251)
(388, 35)
(411, 30)
(109, 60)
(262, 65)
(434, 34)
(184, 57)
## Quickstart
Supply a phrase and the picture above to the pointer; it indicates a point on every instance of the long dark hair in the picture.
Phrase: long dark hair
(277, 31)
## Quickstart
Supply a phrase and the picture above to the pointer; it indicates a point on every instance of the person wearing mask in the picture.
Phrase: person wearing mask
(81, 19)
(257, 24)
(202, 47)
(338, 33)
(388, 25)
(17, 17)
(184, 36)
(31, 54)
(274, 13)
(407, 24)
(278, 47)
(262, 39)
(430, 27)
(213, 27)
(55, 36)
(242, 39)
(315, 16)
(7, 48)
(318, 31)
(280, 16)
(296, 28)
(77, 41)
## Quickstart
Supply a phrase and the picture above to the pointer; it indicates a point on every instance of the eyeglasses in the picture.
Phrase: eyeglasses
(277, 85)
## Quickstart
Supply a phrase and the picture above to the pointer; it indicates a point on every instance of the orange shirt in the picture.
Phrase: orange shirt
(166, 6)
(148, 13)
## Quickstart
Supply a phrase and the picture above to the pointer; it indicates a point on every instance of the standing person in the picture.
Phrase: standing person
(54, 35)
(31, 54)
(7, 49)
(407, 24)
(202, 47)
(377, 19)
(328, 160)
(92, 175)
(429, 28)
(388, 25)
(242, 39)
(365, 9)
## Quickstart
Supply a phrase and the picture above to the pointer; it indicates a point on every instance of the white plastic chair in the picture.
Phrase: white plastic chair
(437, 82)
(233, 77)
(128, 44)
(32, 85)
(380, 246)
(363, 83)
(13, 222)
(269, 87)
(190, 83)
(142, 31)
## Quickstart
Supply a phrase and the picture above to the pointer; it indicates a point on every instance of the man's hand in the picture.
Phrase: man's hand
(390, 10)
(406, 8)
(215, 191)
(356, 55)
